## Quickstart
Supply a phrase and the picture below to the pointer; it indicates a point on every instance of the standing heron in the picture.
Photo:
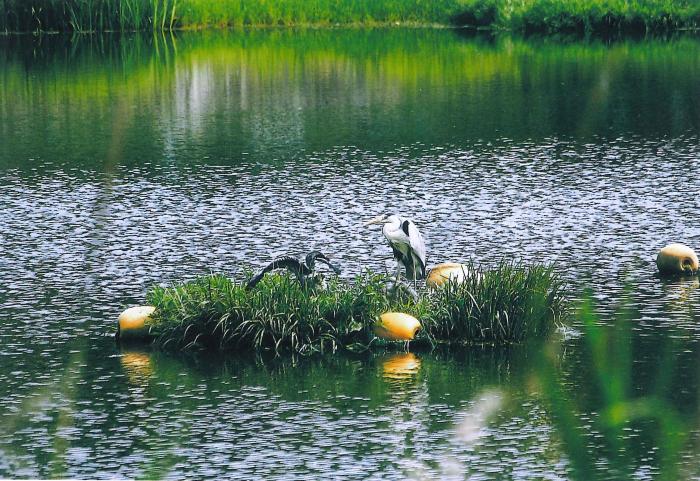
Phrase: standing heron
(406, 242)
(303, 270)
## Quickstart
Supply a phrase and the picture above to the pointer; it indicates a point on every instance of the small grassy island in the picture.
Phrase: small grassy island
(508, 304)
(525, 16)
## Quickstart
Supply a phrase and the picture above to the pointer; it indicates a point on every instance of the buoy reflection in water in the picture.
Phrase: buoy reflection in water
(678, 292)
(138, 367)
(402, 366)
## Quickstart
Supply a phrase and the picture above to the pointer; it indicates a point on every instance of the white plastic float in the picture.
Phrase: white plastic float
(677, 259)
(132, 322)
(442, 273)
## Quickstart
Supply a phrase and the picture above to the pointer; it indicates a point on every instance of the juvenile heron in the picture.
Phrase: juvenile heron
(303, 270)
(406, 242)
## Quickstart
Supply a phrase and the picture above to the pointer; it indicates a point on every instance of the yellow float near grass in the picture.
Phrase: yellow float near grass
(677, 259)
(132, 322)
(441, 273)
(397, 326)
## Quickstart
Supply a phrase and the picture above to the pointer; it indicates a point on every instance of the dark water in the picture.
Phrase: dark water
(126, 162)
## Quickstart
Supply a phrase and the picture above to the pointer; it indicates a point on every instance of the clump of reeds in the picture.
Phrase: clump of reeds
(87, 15)
(508, 304)
(277, 314)
(592, 424)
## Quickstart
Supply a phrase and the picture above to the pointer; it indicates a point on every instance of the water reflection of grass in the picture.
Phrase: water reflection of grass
(485, 387)
(515, 89)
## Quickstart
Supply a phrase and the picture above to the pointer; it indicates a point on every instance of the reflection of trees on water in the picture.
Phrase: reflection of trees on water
(272, 94)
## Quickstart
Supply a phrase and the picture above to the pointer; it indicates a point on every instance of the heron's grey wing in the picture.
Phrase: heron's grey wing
(417, 244)
(289, 263)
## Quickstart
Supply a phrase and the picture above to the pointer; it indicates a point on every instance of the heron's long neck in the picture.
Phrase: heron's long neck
(391, 227)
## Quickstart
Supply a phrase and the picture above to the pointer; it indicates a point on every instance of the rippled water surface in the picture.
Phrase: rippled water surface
(127, 162)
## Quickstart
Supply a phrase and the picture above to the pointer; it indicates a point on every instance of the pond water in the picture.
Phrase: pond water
(128, 161)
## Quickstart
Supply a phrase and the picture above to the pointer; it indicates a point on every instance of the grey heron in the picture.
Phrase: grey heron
(303, 270)
(406, 242)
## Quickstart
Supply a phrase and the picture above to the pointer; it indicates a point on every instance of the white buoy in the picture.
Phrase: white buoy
(677, 259)
(448, 271)
(132, 322)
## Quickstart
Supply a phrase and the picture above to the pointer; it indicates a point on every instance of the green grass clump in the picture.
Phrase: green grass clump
(277, 314)
(102, 15)
(509, 304)
(315, 12)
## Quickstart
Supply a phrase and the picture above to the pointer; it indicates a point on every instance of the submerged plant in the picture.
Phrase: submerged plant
(508, 304)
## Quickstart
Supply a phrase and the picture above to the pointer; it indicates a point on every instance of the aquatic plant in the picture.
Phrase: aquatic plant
(279, 314)
(87, 15)
(619, 406)
(598, 16)
(508, 304)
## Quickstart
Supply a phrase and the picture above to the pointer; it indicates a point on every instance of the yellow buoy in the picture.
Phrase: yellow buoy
(397, 326)
(132, 322)
(677, 259)
(441, 273)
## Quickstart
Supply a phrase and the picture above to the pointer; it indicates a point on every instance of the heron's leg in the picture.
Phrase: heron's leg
(398, 271)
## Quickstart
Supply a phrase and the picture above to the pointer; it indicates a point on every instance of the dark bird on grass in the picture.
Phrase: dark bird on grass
(305, 271)
(406, 242)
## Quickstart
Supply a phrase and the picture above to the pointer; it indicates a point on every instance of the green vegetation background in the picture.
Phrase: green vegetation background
(547, 16)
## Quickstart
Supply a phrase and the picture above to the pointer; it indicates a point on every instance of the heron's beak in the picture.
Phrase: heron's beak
(377, 220)
(335, 269)
(327, 261)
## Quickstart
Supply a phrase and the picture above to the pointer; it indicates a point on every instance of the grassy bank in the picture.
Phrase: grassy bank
(546, 16)
(87, 15)
(597, 16)
(508, 304)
